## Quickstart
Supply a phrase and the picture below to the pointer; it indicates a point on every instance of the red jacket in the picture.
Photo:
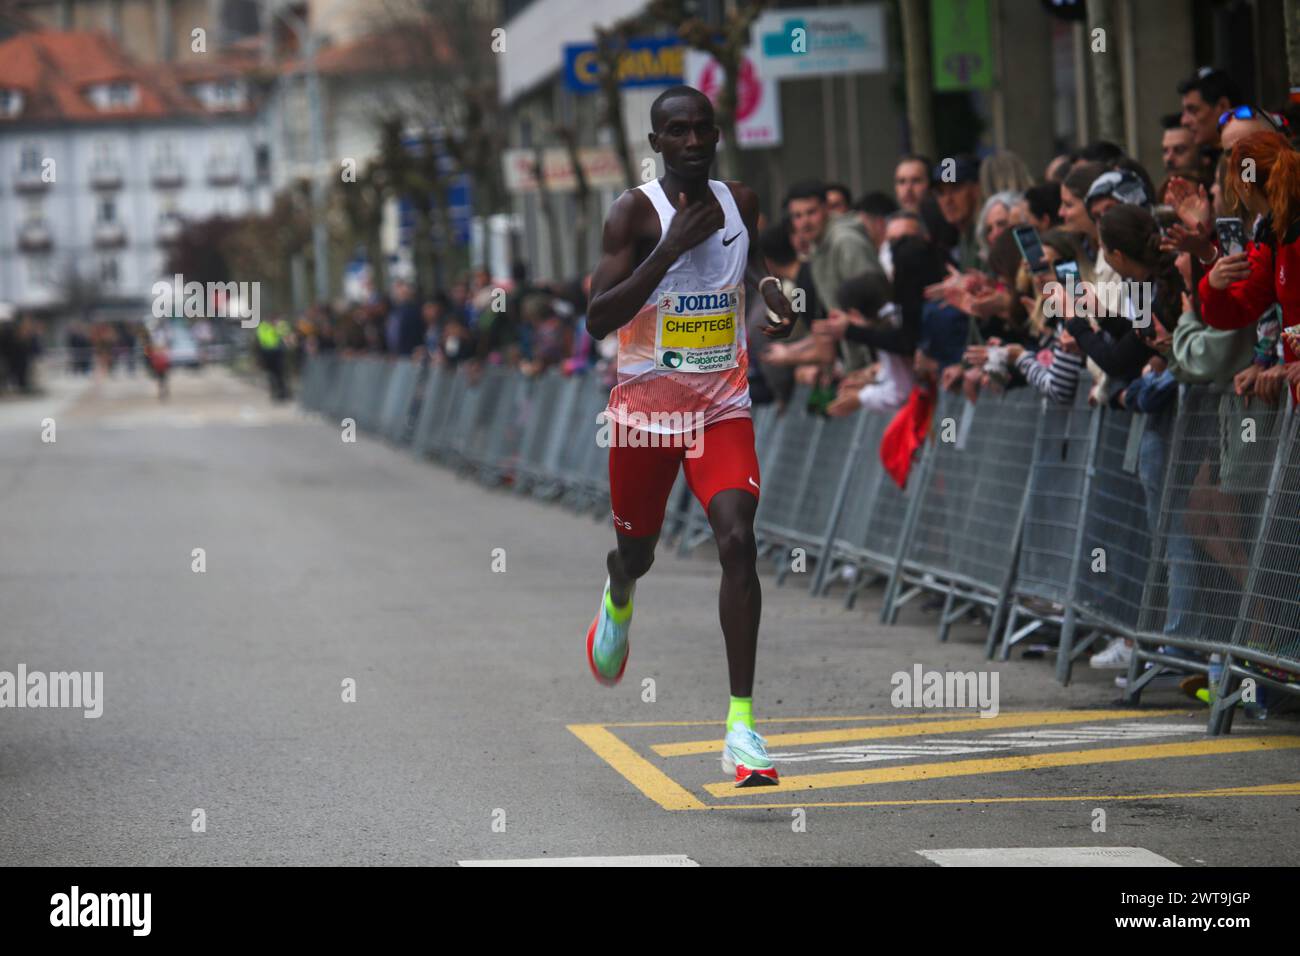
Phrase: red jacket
(905, 433)
(1274, 279)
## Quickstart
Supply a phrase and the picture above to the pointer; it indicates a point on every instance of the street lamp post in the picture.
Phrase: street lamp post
(320, 248)
(308, 40)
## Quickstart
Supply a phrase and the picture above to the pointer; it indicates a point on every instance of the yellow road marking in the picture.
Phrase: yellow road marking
(785, 720)
(963, 768)
(960, 725)
(1264, 790)
(641, 773)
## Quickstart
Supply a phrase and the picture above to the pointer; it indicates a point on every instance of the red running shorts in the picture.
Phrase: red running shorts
(641, 478)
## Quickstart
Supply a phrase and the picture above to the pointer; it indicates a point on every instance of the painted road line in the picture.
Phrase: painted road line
(1089, 856)
(641, 773)
(1070, 758)
(934, 715)
(1263, 790)
(1020, 740)
(663, 860)
(850, 734)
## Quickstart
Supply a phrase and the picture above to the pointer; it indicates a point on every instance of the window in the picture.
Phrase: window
(11, 102)
(227, 94)
(121, 94)
(30, 159)
(118, 95)
(262, 159)
(108, 271)
(38, 270)
(102, 164)
(107, 211)
(34, 211)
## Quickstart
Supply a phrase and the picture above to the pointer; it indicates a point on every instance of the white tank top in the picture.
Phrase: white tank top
(683, 360)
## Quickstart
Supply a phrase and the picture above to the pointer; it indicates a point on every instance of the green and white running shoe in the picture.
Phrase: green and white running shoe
(744, 753)
(607, 642)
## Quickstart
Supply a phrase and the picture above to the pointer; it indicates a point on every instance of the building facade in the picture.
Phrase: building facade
(105, 161)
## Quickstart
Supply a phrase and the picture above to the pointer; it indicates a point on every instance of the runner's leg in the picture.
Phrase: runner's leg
(630, 560)
(740, 599)
(640, 482)
(724, 477)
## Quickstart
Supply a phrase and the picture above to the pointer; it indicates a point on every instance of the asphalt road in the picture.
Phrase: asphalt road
(328, 562)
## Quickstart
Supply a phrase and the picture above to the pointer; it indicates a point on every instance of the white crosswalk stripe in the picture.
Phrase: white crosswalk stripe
(663, 860)
(993, 743)
(1090, 856)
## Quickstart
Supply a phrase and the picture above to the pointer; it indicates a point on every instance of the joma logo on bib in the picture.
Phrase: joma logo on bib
(696, 331)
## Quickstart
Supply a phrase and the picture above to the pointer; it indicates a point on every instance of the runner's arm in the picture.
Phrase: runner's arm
(773, 297)
(619, 287)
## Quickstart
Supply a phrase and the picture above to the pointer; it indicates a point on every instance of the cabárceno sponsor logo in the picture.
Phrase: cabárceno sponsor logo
(940, 689)
(703, 360)
(620, 428)
(75, 689)
(102, 909)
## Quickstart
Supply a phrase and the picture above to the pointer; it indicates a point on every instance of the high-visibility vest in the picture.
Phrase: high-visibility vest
(268, 336)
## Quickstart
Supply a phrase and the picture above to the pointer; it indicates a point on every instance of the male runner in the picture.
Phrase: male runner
(671, 280)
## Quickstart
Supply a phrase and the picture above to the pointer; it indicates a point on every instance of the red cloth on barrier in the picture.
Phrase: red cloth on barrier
(905, 434)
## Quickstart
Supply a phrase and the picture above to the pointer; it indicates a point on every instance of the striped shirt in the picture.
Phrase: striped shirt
(1058, 380)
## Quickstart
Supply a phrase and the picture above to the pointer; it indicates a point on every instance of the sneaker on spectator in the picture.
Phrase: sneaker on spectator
(1192, 684)
(1115, 657)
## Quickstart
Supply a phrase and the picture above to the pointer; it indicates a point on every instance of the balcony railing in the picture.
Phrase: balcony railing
(167, 174)
(109, 235)
(223, 171)
(30, 181)
(106, 174)
(35, 236)
(169, 229)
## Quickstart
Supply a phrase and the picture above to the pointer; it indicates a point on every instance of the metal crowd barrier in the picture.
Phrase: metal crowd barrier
(1046, 583)
(963, 525)
(1179, 532)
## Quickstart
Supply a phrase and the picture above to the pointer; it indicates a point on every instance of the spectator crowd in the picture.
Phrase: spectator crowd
(1094, 279)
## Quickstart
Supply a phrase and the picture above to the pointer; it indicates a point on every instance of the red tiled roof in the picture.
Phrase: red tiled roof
(393, 50)
(56, 69)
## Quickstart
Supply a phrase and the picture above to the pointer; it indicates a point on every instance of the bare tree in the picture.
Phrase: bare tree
(916, 58)
(361, 206)
(1292, 14)
(449, 49)
(548, 211)
(412, 172)
(728, 46)
(611, 44)
(77, 293)
(1105, 71)
(261, 248)
(581, 198)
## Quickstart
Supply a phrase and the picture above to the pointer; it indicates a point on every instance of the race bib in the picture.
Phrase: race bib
(696, 331)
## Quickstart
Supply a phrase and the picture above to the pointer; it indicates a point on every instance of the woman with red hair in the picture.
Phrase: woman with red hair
(1241, 289)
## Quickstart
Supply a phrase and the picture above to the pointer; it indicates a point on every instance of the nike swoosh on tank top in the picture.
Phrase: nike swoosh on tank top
(683, 360)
